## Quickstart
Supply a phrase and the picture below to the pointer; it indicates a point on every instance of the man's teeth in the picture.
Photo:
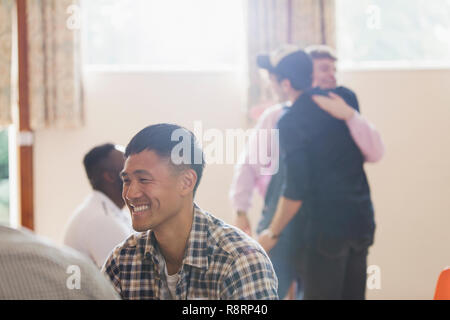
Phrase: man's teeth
(141, 208)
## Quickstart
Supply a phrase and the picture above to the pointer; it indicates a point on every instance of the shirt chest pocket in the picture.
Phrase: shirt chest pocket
(202, 286)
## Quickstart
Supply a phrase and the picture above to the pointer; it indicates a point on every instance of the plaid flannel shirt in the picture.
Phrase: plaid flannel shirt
(220, 262)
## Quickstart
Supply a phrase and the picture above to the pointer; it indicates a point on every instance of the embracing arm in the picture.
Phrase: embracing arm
(365, 135)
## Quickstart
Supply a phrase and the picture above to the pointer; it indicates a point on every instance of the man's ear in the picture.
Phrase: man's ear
(108, 177)
(188, 181)
(286, 85)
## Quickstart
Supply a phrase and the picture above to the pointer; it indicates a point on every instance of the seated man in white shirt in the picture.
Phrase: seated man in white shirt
(99, 223)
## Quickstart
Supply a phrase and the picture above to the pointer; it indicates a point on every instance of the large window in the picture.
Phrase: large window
(4, 178)
(163, 34)
(396, 33)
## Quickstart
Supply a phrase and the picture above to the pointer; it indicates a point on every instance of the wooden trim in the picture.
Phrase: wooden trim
(25, 152)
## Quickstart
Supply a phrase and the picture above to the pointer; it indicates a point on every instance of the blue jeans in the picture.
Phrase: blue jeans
(285, 256)
(287, 264)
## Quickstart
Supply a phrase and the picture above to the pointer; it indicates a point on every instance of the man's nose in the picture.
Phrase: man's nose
(332, 76)
(132, 191)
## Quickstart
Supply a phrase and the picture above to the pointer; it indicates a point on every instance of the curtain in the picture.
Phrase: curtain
(272, 23)
(54, 64)
(6, 10)
(313, 22)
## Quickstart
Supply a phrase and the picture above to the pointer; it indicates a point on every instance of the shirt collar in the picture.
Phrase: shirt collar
(150, 246)
(197, 248)
(100, 195)
(196, 253)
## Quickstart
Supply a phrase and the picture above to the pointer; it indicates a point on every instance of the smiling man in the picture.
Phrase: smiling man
(181, 251)
(324, 66)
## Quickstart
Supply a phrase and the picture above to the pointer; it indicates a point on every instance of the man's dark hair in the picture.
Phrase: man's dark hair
(296, 66)
(95, 163)
(162, 139)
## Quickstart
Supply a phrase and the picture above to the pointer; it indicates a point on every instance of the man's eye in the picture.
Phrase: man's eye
(144, 180)
(125, 181)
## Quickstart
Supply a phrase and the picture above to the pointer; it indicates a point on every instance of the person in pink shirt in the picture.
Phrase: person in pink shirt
(249, 175)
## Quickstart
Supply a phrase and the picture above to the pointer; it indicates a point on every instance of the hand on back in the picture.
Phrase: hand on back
(334, 105)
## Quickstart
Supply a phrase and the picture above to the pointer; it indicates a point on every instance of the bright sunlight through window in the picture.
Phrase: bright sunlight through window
(163, 34)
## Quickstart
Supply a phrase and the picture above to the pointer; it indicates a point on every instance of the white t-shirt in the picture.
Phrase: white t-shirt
(97, 227)
(169, 288)
(171, 282)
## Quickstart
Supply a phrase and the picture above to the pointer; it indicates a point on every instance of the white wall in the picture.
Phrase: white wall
(410, 187)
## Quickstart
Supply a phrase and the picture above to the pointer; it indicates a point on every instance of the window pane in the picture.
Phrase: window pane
(4, 178)
(162, 33)
(394, 30)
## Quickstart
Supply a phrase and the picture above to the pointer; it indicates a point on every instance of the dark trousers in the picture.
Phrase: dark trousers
(335, 268)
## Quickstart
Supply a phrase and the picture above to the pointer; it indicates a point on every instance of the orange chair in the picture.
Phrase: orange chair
(443, 286)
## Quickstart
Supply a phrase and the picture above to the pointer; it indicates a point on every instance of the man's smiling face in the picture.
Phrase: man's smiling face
(324, 75)
(150, 190)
